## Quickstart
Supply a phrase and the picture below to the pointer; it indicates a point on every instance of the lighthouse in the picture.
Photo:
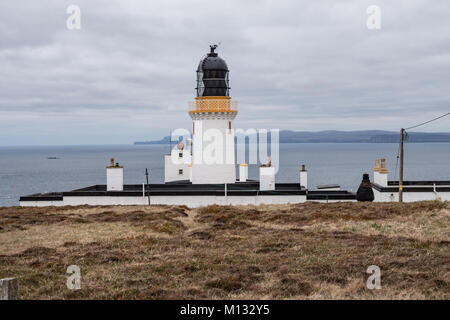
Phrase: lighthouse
(201, 171)
(212, 113)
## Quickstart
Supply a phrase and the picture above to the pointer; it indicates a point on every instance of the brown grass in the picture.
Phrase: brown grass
(303, 251)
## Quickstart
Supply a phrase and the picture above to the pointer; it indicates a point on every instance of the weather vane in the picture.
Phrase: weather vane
(214, 47)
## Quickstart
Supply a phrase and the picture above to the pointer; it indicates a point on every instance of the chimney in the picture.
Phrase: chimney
(383, 166)
(376, 171)
(377, 165)
(380, 173)
(304, 177)
(266, 177)
(114, 177)
(243, 172)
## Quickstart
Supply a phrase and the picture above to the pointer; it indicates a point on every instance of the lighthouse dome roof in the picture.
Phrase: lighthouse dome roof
(212, 61)
(212, 76)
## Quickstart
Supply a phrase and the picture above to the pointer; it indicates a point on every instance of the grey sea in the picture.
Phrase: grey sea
(28, 170)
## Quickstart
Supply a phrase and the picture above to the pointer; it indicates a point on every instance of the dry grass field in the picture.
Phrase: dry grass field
(303, 251)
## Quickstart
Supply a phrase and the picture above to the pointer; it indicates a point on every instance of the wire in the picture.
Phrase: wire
(406, 137)
(421, 124)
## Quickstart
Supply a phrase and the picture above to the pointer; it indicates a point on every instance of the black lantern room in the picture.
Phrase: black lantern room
(212, 76)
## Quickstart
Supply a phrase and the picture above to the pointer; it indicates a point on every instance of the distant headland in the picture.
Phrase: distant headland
(330, 136)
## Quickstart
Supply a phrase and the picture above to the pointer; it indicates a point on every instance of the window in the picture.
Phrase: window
(180, 171)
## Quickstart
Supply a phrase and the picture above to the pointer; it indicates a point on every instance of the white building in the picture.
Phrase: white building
(387, 191)
(177, 164)
(203, 172)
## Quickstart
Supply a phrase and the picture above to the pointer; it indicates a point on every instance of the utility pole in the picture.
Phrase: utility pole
(400, 183)
(148, 186)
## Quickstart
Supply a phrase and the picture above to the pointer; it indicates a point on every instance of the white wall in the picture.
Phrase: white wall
(221, 168)
(332, 201)
(304, 179)
(41, 203)
(197, 201)
(190, 201)
(380, 178)
(173, 163)
(105, 200)
(266, 178)
(270, 199)
(243, 172)
(114, 179)
(410, 196)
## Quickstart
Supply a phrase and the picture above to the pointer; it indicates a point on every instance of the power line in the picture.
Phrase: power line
(421, 124)
(403, 139)
(402, 152)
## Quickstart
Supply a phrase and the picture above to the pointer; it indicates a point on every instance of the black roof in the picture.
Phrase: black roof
(182, 188)
(212, 76)
(415, 186)
(212, 61)
(185, 188)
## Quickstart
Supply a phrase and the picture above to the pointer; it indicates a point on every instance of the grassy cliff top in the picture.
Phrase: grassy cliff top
(301, 251)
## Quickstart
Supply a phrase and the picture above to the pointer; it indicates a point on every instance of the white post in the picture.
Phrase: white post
(243, 172)
(303, 177)
(9, 289)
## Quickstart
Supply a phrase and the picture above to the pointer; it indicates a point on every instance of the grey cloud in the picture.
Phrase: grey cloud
(304, 65)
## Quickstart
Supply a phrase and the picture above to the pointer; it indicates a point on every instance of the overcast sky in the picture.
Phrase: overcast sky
(129, 73)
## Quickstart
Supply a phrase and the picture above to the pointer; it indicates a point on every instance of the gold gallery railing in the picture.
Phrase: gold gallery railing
(213, 105)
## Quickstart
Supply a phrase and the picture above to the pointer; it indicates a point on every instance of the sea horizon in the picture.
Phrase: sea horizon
(173, 143)
(26, 169)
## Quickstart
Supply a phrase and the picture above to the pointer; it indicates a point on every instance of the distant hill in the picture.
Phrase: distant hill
(367, 136)
(165, 140)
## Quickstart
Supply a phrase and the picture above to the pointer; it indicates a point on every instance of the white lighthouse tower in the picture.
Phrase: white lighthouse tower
(213, 112)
